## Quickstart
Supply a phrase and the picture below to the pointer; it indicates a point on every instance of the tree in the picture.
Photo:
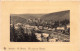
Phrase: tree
(65, 22)
(33, 36)
(13, 34)
(56, 24)
(20, 34)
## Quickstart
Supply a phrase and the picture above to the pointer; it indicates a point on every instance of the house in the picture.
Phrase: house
(45, 28)
(53, 40)
(42, 36)
(27, 25)
(19, 24)
(38, 35)
(40, 27)
(11, 25)
(68, 26)
(45, 34)
(36, 28)
(60, 28)
(50, 29)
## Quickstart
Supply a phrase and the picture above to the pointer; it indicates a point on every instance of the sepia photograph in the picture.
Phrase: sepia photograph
(48, 27)
(39, 26)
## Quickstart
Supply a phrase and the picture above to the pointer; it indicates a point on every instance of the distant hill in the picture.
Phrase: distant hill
(28, 16)
(16, 19)
(56, 16)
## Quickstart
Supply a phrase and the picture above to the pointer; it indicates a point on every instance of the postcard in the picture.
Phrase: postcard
(39, 26)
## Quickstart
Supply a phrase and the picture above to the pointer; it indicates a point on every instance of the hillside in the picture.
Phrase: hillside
(56, 16)
(28, 16)
(16, 19)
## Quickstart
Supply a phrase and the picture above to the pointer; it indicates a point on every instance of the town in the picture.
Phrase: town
(38, 30)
